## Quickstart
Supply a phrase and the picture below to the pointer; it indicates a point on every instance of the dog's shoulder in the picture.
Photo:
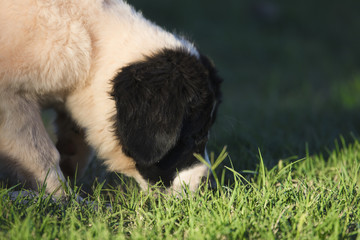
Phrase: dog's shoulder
(44, 46)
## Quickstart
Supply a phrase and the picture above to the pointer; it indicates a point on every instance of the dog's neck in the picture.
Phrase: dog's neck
(126, 36)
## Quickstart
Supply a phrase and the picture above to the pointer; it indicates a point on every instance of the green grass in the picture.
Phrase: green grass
(312, 198)
(290, 119)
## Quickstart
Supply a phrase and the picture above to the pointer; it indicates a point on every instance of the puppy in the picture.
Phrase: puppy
(144, 99)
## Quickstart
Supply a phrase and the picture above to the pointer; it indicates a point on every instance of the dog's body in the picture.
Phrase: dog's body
(120, 84)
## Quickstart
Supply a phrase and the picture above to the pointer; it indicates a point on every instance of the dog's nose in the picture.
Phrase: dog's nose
(209, 181)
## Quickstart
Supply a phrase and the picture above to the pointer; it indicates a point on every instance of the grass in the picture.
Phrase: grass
(312, 198)
(290, 119)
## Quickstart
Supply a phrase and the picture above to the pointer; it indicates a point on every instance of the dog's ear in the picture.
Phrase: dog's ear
(151, 101)
(215, 81)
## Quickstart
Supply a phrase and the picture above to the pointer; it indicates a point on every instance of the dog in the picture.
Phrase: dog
(141, 98)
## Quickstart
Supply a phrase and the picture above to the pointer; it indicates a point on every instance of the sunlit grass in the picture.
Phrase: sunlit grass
(311, 198)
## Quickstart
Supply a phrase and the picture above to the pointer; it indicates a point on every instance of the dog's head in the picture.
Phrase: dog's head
(165, 106)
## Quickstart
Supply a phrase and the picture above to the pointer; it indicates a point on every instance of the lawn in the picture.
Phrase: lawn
(290, 119)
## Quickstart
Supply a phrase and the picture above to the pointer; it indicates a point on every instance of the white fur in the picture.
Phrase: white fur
(64, 53)
(190, 177)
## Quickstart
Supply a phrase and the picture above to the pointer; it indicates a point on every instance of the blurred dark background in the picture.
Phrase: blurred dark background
(291, 71)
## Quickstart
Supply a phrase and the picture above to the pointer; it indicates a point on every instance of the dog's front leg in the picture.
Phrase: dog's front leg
(28, 152)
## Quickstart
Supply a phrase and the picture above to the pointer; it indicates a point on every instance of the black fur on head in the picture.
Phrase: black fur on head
(164, 109)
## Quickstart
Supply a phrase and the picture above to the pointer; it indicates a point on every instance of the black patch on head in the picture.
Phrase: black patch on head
(163, 111)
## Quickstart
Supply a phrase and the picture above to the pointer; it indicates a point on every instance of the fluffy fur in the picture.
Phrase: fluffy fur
(139, 96)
